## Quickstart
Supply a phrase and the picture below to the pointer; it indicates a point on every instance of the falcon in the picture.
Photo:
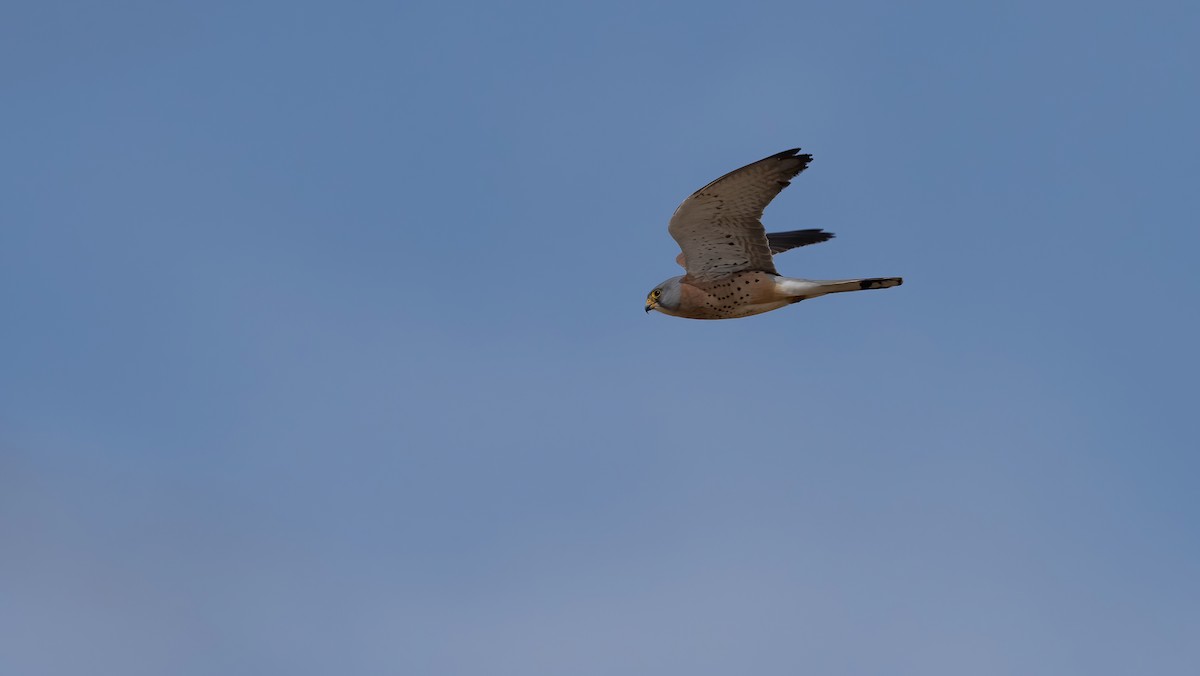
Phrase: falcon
(728, 254)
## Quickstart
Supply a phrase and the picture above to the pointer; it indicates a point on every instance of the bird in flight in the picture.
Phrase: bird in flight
(728, 254)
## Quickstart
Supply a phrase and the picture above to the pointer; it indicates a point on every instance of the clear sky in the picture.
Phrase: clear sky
(323, 348)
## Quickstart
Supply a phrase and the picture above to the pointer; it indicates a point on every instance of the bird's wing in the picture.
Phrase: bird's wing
(782, 241)
(718, 227)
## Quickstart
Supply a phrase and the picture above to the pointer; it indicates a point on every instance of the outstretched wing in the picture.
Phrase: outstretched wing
(718, 227)
(782, 241)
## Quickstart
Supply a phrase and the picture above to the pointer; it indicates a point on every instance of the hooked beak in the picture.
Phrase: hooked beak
(650, 305)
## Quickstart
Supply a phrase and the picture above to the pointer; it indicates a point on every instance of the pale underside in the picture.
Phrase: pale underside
(741, 294)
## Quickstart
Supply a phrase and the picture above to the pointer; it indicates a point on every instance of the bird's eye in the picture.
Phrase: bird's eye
(655, 294)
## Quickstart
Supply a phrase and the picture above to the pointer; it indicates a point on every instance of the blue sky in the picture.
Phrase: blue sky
(324, 348)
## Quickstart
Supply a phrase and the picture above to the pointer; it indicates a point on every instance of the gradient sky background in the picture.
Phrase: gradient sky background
(324, 351)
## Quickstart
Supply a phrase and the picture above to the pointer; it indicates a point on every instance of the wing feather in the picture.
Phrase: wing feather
(783, 241)
(719, 227)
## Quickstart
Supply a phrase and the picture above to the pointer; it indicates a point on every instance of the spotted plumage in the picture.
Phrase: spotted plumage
(728, 254)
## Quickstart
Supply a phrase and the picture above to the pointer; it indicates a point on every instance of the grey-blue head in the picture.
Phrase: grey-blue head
(665, 297)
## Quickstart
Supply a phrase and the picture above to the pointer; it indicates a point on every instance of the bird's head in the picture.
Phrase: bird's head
(664, 297)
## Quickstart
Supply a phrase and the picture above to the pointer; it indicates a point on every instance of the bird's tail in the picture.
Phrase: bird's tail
(801, 289)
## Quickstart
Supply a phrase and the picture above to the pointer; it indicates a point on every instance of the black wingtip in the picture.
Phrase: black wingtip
(793, 154)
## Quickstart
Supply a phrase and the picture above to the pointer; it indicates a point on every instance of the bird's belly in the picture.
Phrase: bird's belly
(739, 295)
(729, 313)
